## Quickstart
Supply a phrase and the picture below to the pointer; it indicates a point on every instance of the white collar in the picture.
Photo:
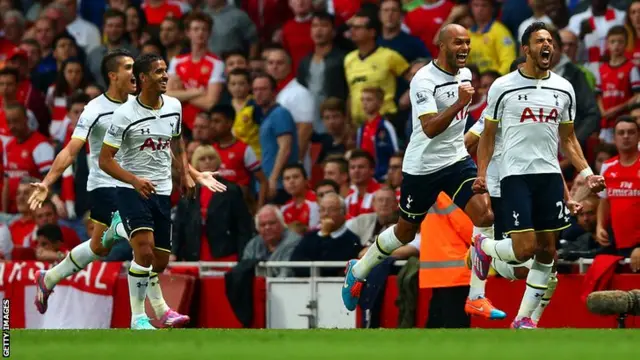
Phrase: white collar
(337, 233)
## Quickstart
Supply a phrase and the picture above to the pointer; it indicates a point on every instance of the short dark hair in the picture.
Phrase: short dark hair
(63, 36)
(225, 110)
(535, 27)
(228, 54)
(516, 62)
(555, 34)
(475, 71)
(328, 182)
(14, 105)
(78, 97)
(52, 232)
(11, 72)
(627, 120)
(362, 154)
(339, 160)
(606, 148)
(333, 104)
(324, 16)
(240, 72)
(142, 65)
(111, 61)
(373, 23)
(264, 75)
(491, 73)
(634, 106)
(399, 154)
(295, 166)
(113, 13)
(618, 30)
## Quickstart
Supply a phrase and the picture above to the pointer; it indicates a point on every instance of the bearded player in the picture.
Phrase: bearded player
(535, 109)
(436, 160)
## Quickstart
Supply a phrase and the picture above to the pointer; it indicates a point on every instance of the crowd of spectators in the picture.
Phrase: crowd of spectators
(302, 107)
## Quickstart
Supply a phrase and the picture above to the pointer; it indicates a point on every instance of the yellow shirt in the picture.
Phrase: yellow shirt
(492, 48)
(246, 129)
(379, 69)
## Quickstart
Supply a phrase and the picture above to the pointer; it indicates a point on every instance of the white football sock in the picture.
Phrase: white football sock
(501, 249)
(77, 259)
(121, 231)
(384, 245)
(154, 292)
(537, 280)
(546, 298)
(505, 270)
(477, 286)
(138, 282)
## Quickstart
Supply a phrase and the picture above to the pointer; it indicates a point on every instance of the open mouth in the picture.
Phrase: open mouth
(545, 54)
(462, 56)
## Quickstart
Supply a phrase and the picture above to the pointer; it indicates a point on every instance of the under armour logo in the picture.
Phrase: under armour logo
(140, 284)
(450, 94)
(521, 97)
(153, 284)
(145, 131)
(409, 201)
(515, 219)
(538, 295)
(557, 102)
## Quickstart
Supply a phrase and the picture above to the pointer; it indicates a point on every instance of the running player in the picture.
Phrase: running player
(117, 70)
(436, 160)
(146, 131)
(535, 108)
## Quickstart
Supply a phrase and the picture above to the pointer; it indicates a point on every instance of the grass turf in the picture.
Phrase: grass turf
(324, 344)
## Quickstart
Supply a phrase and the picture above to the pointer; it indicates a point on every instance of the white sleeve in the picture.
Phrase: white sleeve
(415, 242)
(494, 110)
(43, 156)
(32, 121)
(81, 131)
(635, 79)
(251, 161)
(6, 243)
(478, 126)
(302, 106)
(421, 93)
(314, 215)
(569, 112)
(574, 24)
(330, 8)
(172, 67)
(217, 73)
(177, 128)
(113, 136)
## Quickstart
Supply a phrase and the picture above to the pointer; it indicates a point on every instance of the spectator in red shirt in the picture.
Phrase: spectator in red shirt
(27, 94)
(620, 202)
(363, 185)
(633, 27)
(377, 135)
(268, 15)
(14, 26)
(336, 168)
(239, 160)
(196, 78)
(29, 153)
(49, 244)
(425, 21)
(22, 227)
(9, 95)
(47, 215)
(617, 81)
(296, 33)
(157, 10)
(301, 212)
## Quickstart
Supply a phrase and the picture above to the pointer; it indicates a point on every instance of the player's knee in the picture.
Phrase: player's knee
(520, 272)
(406, 231)
(97, 248)
(486, 218)
(526, 249)
(548, 249)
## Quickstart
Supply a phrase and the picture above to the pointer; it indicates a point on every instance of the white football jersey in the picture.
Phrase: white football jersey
(92, 125)
(144, 136)
(433, 90)
(493, 169)
(530, 112)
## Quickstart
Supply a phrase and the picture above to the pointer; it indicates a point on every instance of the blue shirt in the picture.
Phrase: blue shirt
(409, 46)
(277, 122)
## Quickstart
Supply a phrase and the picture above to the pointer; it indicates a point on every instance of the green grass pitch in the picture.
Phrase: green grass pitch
(324, 344)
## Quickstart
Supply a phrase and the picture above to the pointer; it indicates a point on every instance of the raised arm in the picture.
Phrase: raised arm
(422, 97)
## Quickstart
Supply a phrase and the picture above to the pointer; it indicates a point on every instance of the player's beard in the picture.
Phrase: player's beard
(451, 60)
